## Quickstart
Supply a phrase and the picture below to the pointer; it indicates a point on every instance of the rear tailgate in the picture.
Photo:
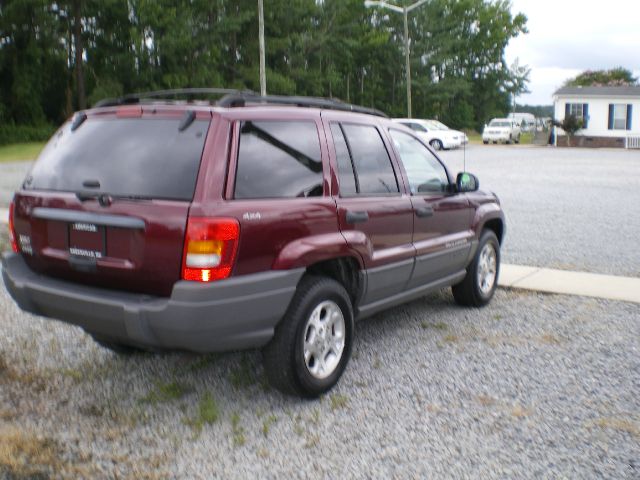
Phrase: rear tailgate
(106, 204)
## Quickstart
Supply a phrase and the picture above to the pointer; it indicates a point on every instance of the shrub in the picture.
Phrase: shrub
(25, 133)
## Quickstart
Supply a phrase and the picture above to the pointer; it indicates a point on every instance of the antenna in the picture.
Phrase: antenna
(464, 154)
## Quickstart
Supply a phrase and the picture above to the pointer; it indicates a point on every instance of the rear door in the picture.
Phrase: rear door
(107, 201)
(374, 216)
(442, 218)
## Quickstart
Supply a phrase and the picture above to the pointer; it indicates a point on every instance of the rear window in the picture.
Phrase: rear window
(148, 158)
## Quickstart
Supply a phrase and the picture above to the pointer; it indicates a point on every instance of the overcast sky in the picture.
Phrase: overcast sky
(567, 37)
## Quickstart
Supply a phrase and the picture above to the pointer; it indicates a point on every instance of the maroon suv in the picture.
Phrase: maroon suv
(269, 222)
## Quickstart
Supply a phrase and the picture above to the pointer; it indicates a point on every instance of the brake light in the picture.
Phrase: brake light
(209, 248)
(12, 232)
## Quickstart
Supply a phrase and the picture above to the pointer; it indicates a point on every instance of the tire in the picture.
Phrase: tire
(517, 139)
(436, 144)
(486, 142)
(479, 285)
(119, 348)
(292, 362)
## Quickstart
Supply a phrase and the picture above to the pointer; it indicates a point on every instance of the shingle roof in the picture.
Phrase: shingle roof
(629, 91)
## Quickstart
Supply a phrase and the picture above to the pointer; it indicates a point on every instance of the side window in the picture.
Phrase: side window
(424, 171)
(346, 176)
(278, 160)
(373, 170)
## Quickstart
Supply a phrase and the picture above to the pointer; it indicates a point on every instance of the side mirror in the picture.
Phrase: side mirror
(467, 182)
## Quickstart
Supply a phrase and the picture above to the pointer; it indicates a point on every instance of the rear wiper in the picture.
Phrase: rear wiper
(104, 199)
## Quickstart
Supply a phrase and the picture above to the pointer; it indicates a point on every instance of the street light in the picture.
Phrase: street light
(405, 11)
(263, 78)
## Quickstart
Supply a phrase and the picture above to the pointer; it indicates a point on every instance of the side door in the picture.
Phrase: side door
(374, 216)
(442, 234)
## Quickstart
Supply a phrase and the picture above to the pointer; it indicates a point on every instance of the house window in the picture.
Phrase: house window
(619, 116)
(578, 110)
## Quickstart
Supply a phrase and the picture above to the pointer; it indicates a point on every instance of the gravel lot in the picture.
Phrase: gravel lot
(531, 386)
(572, 209)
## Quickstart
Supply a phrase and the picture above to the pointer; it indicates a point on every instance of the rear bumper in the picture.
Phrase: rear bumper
(237, 313)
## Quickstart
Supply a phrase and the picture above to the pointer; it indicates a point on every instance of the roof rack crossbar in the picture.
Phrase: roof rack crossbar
(238, 99)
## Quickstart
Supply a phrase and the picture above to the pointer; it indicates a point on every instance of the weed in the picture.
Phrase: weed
(436, 326)
(312, 441)
(377, 364)
(238, 431)
(497, 317)
(74, 374)
(520, 412)
(202, 362)
(549, 339)
(166, 392)
(451, 338)
(244, 375)
(338, 401)
(622, 425)
(267, 423)
(486, 400)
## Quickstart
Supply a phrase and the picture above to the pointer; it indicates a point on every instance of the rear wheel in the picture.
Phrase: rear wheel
(479, 285)
(312, 344)
(485, 142)
(518, 139)
(436, 144)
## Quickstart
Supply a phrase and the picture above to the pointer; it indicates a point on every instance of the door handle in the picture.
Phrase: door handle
(357, 217)
(425, 211)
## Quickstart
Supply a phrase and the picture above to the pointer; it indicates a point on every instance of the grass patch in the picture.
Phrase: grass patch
(338, 401)
(24, 455)
(166, 392)
(20, 151)
(208, 413)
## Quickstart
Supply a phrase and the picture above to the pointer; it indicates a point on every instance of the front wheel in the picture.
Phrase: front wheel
(479, 285)
(436, 144)
(312, 344)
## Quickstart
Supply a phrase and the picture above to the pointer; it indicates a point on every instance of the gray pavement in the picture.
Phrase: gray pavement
(568, 209)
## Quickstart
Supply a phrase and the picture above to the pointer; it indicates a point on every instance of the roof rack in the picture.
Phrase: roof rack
(134, 98)
(239, 98)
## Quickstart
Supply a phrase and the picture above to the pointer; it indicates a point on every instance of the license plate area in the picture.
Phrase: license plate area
(86, 241)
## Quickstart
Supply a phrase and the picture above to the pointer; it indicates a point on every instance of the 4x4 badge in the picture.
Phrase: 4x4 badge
(251, 216)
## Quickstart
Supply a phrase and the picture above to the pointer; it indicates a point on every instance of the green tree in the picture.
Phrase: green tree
(591, 78)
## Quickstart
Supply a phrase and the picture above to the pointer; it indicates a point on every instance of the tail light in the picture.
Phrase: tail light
(210, 247)
(12, 231)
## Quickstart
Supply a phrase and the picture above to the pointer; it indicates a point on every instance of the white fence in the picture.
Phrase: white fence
(632, 142)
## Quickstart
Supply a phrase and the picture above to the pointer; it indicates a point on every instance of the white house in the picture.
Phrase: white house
(611, 115)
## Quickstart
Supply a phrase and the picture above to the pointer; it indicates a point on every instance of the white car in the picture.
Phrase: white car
(441, 126)
(503, 130)
(436, 137)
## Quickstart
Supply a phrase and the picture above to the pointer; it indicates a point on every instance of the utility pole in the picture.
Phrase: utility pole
(263, 78)
(406, 58)
(405, 12)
